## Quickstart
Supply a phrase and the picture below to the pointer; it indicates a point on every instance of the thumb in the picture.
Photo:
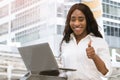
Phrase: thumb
(89, 44)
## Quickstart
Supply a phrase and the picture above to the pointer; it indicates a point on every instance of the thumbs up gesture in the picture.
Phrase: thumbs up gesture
(90, 51)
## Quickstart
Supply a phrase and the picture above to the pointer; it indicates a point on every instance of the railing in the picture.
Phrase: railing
(114, 56)
(116, 65)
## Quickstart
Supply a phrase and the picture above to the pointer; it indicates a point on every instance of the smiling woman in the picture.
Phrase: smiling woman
(78, 24)
(82, 47)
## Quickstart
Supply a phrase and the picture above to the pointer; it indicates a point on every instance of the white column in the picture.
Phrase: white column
(9, 72)
(9, 25)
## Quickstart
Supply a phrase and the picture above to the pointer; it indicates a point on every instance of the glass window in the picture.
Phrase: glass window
(115, 10)
(105, 29)
(3, 42)
(108, 30)
(112, 31)
(111, 10)
(59, 29)
(115, 3)
(119, 32)
(103, 7)
(107, 1)
(107, 8)
(4, 11)
(118, 11)
(60, 10)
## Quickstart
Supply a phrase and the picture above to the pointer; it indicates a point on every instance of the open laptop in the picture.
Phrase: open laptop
(39, 59)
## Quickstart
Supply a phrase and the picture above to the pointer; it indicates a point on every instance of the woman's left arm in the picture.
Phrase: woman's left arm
(100, 64)
(97, 60)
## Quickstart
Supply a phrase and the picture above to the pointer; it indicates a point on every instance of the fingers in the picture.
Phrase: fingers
(90, 50)
(89, 44)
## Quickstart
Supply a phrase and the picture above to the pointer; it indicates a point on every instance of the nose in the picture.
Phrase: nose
(76, 23)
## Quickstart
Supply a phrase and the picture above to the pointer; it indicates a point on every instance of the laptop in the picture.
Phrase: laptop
(39, 59)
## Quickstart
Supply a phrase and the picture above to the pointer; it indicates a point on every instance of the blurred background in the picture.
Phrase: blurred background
(27, 22)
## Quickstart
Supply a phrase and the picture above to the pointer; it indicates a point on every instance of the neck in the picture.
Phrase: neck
(79, 37)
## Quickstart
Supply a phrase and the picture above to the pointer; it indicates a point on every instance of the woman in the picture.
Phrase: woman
(82, 47)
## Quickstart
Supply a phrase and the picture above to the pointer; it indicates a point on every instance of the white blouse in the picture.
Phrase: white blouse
(74, 56)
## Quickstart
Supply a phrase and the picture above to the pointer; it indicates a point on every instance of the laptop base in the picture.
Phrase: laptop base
(42, 77)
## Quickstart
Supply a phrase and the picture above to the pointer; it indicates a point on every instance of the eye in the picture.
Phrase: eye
(73, 19)
(81, 19)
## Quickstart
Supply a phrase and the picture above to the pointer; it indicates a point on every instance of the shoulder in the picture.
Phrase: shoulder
(65, 44)
(99, 41)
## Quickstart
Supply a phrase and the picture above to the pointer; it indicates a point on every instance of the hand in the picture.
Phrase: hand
(90, 51)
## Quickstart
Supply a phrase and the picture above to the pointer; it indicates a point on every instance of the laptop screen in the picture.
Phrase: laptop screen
(38, 58)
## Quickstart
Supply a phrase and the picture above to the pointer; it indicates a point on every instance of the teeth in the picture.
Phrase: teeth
(77, 28)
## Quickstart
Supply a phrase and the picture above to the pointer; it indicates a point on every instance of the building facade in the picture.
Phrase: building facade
(111, 26)
(111, 22)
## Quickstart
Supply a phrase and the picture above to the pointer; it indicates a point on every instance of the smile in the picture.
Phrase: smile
(78, 28)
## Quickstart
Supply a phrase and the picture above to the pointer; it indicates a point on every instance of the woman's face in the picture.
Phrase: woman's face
(78, 23)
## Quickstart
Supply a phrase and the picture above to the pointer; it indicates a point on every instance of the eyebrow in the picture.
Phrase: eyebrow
(81, 17)
(78, 17)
